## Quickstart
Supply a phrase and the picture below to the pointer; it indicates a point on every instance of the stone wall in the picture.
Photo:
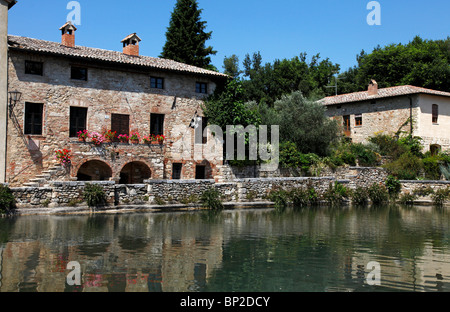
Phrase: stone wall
(188, 192)
(381, 115)
(158, 192)
(3, 85)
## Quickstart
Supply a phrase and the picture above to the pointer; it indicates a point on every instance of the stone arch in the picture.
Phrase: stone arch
(435, 149)
(135, 172)
(94, 170)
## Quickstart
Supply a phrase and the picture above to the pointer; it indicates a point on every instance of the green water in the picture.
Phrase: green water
(315, 249)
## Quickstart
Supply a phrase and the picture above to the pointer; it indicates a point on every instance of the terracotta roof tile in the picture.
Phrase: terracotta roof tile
(382, 93)
(42, 46)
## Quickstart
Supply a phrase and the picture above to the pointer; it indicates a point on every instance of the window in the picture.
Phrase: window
(156, 83)
(358, 120)
(346, 125)
(77, 120)
(78, 73)
(176, 171)
(120, 123)
(200, 172)
(157, 124)
(200, 130)
(201, 87)
(34, 68)
(435, 113)
(33, 118)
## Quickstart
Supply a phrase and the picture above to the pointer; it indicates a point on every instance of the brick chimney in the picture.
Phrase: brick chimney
(373, 88)
(68, 34)
(131, 45)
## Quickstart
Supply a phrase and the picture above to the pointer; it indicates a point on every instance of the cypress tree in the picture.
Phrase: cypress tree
(186, 37)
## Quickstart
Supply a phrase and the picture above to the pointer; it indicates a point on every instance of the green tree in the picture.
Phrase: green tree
(227, 107)
(231, 66)
(304, 123)
(267, 83)
(422, 63)
(186, 37)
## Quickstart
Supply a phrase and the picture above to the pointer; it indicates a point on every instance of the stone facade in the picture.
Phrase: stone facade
(388, 111)
(109, 88)
(5, 5)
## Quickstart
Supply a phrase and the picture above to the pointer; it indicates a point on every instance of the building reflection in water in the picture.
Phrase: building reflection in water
(299, 250)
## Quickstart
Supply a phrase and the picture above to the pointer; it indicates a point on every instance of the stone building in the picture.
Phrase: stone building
(389, 110)
(5, 5)
(66, 88)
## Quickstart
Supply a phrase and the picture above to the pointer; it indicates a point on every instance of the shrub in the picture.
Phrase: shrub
(406, 167)
(94, 195)
(431, 168)
(313, 197)
(365, 156)
(393, 186)
(360, 196)
(336, 193)
(212, 199)
(378, 193)
(7, 201)
(189, 200)
(407, 198)
(440, 196)
(388, 145)
(280, 198)
(159, 201)
(300, 197)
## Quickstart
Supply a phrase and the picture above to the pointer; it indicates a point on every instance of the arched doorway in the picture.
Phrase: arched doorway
(94, 170)
(135, 173)
(435, 149)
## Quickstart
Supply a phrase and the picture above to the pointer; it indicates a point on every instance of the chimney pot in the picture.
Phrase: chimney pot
(131, 45)
(68, 34)
(373, 88)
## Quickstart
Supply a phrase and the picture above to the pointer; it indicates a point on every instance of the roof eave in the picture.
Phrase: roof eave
(11, 3)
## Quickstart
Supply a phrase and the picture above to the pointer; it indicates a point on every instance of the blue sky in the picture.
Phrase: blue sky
(337, 29)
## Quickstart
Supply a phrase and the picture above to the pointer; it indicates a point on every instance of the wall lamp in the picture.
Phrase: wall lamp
(14, 97)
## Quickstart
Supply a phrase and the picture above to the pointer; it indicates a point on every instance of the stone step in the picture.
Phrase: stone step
(31, 184)
(37, 180)
(43, 176)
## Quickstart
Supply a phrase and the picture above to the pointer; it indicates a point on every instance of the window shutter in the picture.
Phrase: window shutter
(120, 123)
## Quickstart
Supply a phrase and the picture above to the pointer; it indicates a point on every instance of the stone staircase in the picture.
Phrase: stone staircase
(43, 179)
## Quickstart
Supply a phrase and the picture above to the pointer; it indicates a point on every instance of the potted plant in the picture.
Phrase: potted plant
(97, 138)
(109, 135)
(63, 156)
(135, 137)
(153, 139)
(160, 139)
(147, 139)
(123, 138)
(82, 135)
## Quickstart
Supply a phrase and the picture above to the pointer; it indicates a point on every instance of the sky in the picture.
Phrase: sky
(335, 29)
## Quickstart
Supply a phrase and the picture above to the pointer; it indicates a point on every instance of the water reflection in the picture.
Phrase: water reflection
(313, 249)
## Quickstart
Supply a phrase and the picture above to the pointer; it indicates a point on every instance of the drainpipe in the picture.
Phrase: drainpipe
(410, 116)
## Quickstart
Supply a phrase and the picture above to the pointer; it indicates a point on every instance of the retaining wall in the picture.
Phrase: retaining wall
(159, 192)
